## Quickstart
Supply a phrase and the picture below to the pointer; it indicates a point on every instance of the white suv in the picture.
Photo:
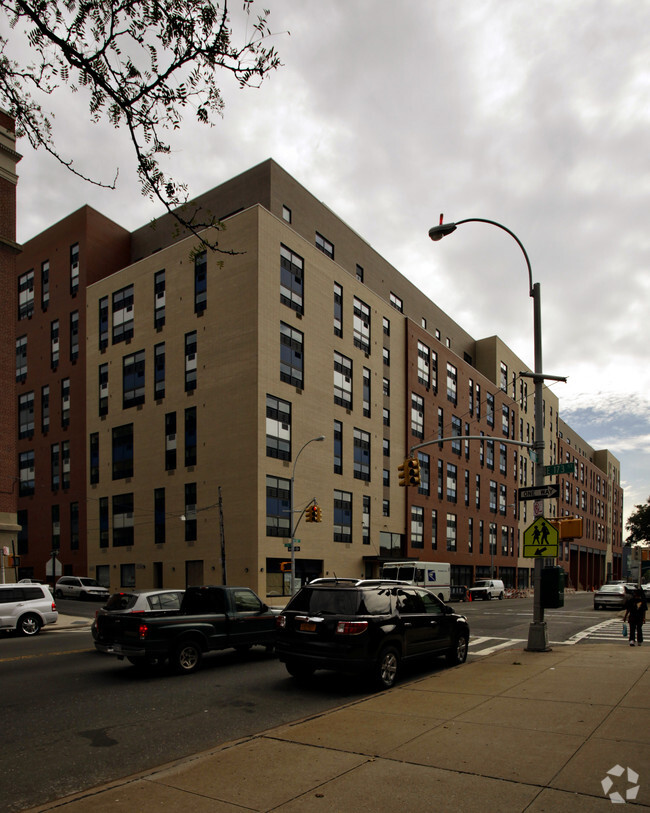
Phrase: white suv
(80, 587)
(26, 607)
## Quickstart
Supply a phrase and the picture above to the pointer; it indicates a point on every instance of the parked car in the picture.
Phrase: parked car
(369, 627)
(80, 587)
(26, 608)
(132, 602)
(611, 596)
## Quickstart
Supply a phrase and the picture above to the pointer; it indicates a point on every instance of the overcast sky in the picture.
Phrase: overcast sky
(535, 115)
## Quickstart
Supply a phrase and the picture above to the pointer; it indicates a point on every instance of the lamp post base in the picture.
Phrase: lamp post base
(538, 637)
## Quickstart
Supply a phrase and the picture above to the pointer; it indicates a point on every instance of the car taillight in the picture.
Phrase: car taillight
(280, 622)
(53, 606)
(143, 629)
(351, 627)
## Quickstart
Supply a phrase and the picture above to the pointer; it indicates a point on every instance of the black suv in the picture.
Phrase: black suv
(369, 627)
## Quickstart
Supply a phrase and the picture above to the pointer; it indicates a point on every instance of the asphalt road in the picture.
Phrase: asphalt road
(74, 718)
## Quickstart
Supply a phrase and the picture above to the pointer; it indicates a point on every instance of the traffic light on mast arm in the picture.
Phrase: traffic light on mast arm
(317, 513)
(309, 513)
(409, 472)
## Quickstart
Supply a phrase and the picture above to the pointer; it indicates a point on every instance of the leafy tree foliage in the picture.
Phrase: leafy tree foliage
(638, 524)
(143, 63)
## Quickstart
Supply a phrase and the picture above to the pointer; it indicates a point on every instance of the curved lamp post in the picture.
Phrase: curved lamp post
(293, 525)
(537, 633)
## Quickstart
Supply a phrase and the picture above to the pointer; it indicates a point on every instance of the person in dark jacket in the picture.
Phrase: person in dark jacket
(635, 612)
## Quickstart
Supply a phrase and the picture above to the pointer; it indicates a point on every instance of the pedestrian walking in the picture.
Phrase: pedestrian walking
(635, 613)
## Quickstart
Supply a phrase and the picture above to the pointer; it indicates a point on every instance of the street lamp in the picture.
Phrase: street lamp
(294, 525)
(537, 633)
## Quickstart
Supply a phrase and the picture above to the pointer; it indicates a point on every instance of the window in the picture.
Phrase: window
(54, 344)
(26, 295)
(456, 431)
(493, 497)
(127, 575)
(65, 464)
(477, 491)
(133, 379)
(452, 542)
(386, 326)
(385, 385)
(503, 377)
(452, 482)
(396, 302)
(342, 516)
(338, 447)
(291, 355)
(489, 454)
(94, 457)
(55, 467)
(45, 408)
(361, 455)
(278, 506)
(452, 383)
(159, 516)
(159, 371)
(122, 446)
(45, 284)
(21, 358)
(503, 459)
(386, 356)
(434, 371)
(386, 447)
(365, 521)
(190, 512)
(359, 273)
(278, 428)
(103, 389)
(26, 473)
(103, 322)
(434, 529)
(286, 214)
(324, 245)
(170, 441)
(361, 326)
(425, 474)
(123, 314)
(386, 416)
(74, 268)
(159, 299)
(386, 478)
(190, 436)
(65, 402)
(342, 380)
(200, 282)
(417, 526)
(385, 508)
(470, 534)
(190, 361)
(338, 310)
(74, 336)
(366, 392)
(503, 499)
(417, 415)
(291, 279)
(56, 527)
(122, 520)
(103, 522)
(505, 420)
(26, 415)
(466, 487)
(489, 408)
(424, 371)
(74, 526)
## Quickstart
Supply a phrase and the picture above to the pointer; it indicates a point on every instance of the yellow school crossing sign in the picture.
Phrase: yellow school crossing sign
(540, 539)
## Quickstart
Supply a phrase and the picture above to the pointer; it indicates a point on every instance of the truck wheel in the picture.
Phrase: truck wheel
(186, 658)
(457, 652)
(386, 669)
(29, 624)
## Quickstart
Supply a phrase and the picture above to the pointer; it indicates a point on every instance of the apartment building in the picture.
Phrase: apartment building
(208, 377)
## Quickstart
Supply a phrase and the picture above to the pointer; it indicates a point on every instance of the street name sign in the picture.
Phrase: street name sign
(549, 492)
(559, 468)
(540, 539)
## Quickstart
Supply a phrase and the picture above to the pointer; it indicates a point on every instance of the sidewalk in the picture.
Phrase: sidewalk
(514, 731)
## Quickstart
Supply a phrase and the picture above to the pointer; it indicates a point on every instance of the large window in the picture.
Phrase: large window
(65, 464)
(342, 380)
(45, 284)
(190, 436)
(278, 428)
(74, 268)
(190, 361)
(122, 520)
(103, 522)
(452, 383)
(123, 314)
(26, 415)
(425, 474)
(103, 322)
(361, 455)
(338, 447)
(361, 326)
(74, 336)
(26, 295)
(102, 384)
(200, 282)
(291, 279)
(21, 358)
(122, 446)
(417, 526)
(452, 532)
(342, 516)
(159, 371)
(159, 299)
(54, 344)
(133, 383)
(417, 415)
(170, 441)
(291, 355)
(338, 310)
(452, 482)
(65, 402)
(26, 473)
(366, 392)
(45, 408)
(278, 506)
(55, 467)
(424, 367)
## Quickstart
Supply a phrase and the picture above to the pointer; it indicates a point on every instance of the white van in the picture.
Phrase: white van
(486, 589)
(26, 607)
(435, 576)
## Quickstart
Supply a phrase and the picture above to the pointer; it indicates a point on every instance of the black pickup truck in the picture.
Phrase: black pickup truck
(210, 618)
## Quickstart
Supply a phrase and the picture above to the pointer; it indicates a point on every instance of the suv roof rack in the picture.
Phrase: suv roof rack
(352, 582)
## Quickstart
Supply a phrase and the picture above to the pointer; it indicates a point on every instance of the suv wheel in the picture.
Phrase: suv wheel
(29, 624)
(386, 669)
(186, 658)
(457, 652)
(58, 594)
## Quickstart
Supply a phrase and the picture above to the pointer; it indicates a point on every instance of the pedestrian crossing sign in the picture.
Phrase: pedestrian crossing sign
(540, 539)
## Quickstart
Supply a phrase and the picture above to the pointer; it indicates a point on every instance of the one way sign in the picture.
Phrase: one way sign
(550, 492)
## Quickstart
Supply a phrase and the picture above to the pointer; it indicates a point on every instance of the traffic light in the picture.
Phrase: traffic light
(309, 514)
(285, 567)
(317, 513)
(409, 472)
